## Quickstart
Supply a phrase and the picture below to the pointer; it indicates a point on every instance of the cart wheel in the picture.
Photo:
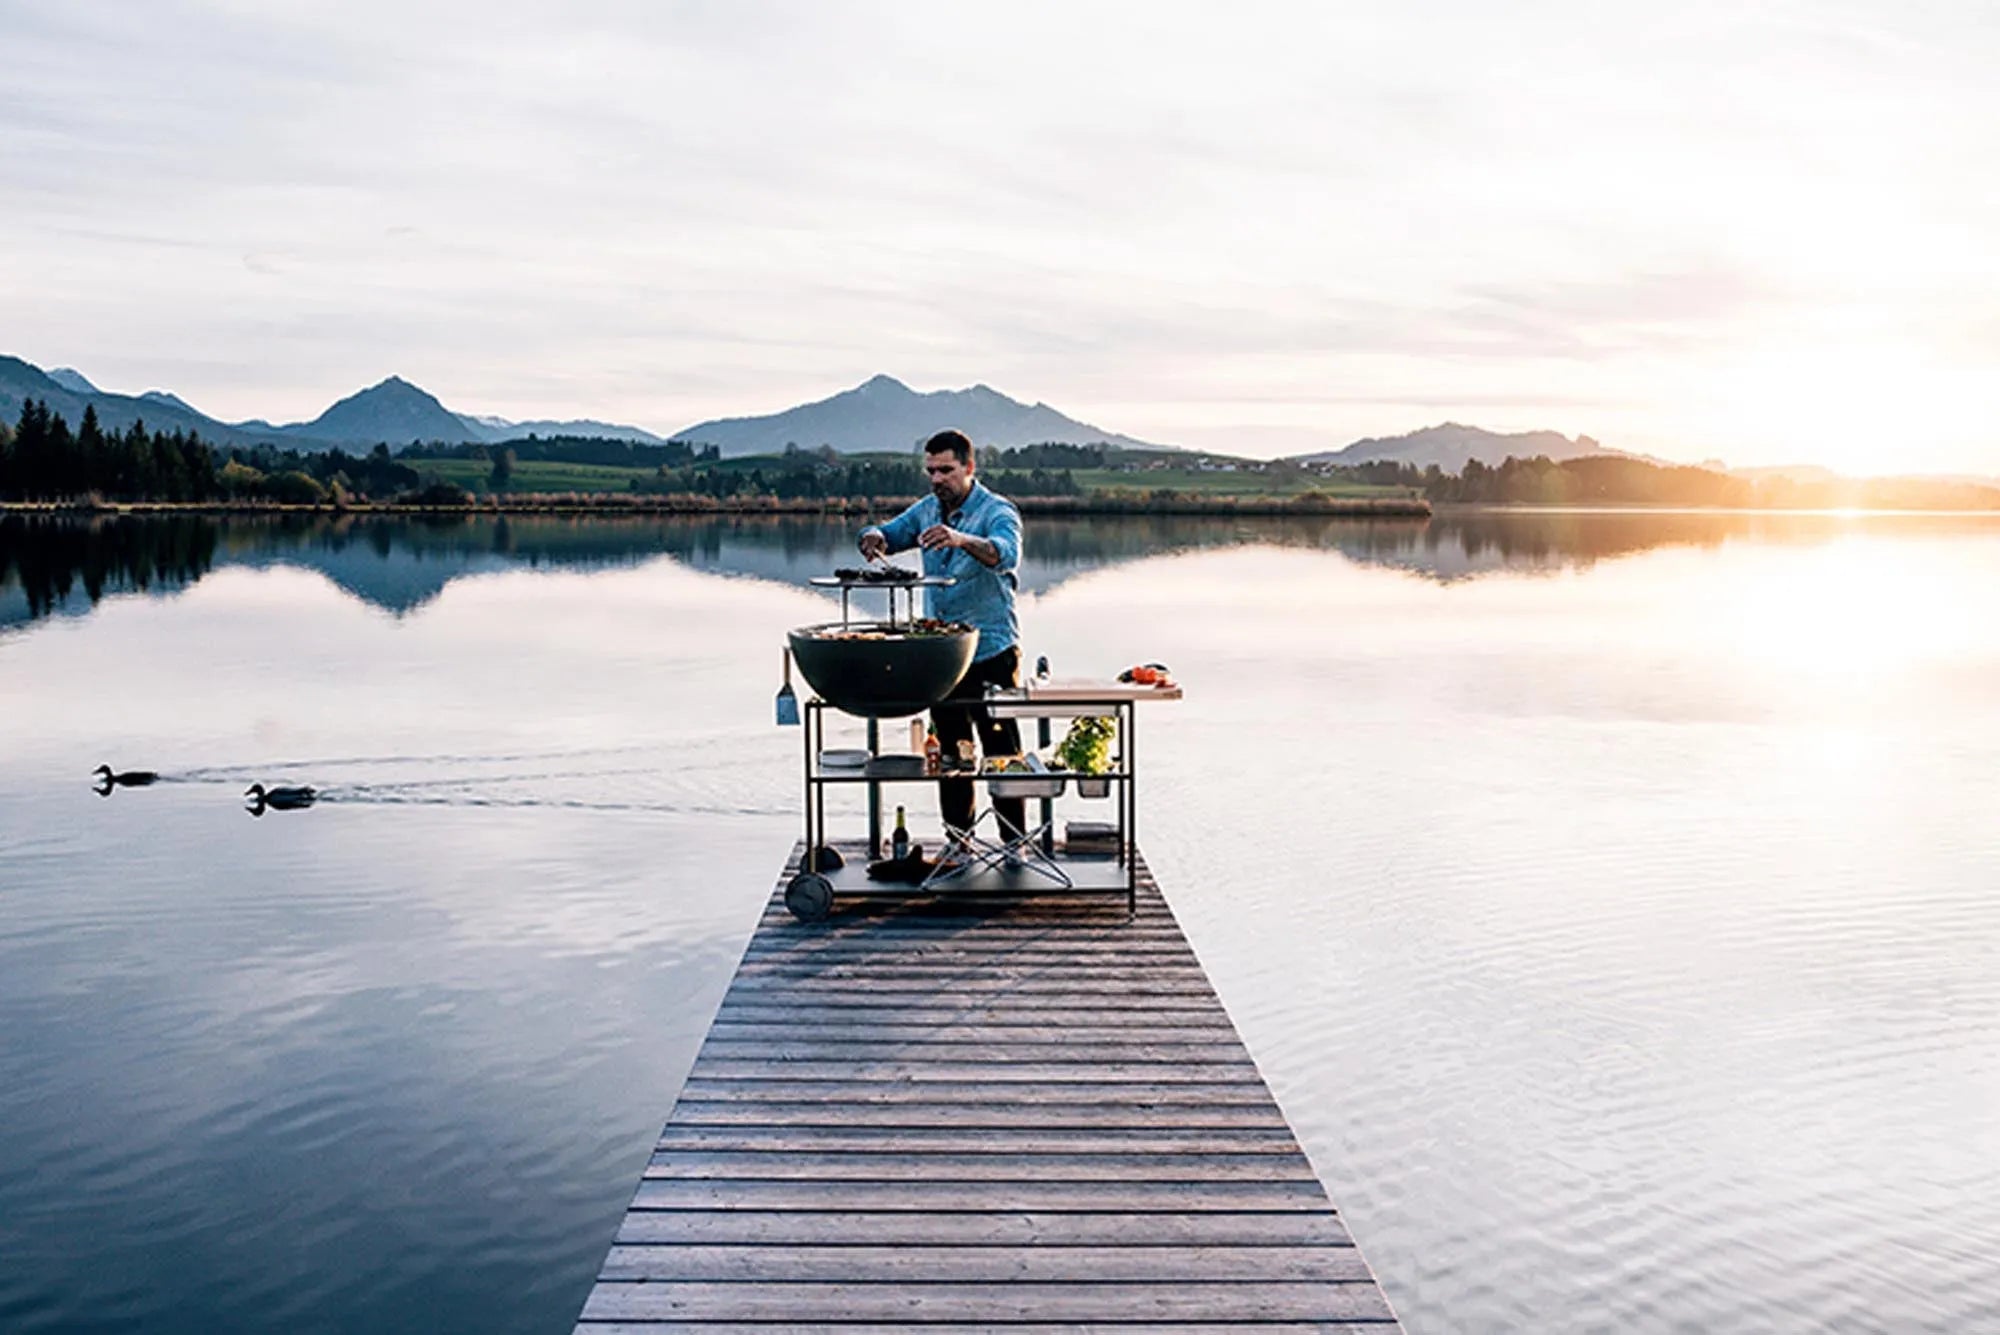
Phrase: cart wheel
(809, 896)
(829, 859)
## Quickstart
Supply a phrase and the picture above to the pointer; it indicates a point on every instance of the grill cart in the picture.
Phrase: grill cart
(900, 667)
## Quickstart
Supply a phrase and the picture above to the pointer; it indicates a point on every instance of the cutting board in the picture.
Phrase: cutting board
(1080, 688)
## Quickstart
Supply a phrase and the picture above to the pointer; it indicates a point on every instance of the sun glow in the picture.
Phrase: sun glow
(1857, 408)
(1853, 614)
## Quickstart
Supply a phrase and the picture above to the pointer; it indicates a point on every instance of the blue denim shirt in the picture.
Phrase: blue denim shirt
(983, 598)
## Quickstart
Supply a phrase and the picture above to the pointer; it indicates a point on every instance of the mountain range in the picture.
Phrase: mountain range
(881, 413)
(394, 411)
(1450, 445)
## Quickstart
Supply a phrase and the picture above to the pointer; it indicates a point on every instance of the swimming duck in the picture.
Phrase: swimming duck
(282, 798)
(131, 778)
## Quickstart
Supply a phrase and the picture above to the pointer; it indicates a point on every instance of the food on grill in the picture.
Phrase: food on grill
(877, 575)
(923, 628)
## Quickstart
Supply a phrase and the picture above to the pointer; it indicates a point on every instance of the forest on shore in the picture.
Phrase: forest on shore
(43, 460)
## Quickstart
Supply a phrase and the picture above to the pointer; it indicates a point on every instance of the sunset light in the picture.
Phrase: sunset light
(580, 585)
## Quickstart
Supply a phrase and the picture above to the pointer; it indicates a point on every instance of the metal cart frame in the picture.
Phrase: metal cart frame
(893, 768)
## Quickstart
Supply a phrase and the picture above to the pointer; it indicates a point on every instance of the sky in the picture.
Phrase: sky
(1760, 233)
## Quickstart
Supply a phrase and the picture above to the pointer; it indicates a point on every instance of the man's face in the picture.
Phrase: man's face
(950, 479)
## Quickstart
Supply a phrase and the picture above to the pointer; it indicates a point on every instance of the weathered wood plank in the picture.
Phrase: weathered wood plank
(970, 1140)
(1063, 967)
(895, 1088)
(678, 1327)
(824, 1015)
(1134, 992)
(1161, 937)
(997, 1071)
(813, 1048)
(945, 1030)
(1049, 949)
(978, 1114)
(867, 1166)
(838, 1000)
(1213, 1228)
(1174, 1197)
(1277, 1301)
(960, 1265)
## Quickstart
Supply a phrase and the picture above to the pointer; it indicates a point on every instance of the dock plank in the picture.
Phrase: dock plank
(981, 1265)
(987, 1302)
(932, 1140)
(1095, 1228)
(954, 1113)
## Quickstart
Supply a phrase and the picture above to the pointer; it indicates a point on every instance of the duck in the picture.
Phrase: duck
(131, 778)
(282, 798)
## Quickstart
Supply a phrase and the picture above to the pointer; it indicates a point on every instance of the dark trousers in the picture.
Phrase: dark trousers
(959, 716)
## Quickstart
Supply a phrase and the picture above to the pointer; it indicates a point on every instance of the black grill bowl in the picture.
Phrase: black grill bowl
(887, 678)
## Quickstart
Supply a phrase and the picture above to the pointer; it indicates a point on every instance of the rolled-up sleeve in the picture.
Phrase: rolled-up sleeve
(901, 532)
(1004, 532)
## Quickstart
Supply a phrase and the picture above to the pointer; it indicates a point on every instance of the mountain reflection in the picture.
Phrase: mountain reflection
(45, 560)
(55, 564)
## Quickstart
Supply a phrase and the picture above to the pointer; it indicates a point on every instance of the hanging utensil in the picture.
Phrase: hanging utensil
(788, 703)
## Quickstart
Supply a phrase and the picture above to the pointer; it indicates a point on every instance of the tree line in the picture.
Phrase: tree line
(807, 475)
(1617, 480)
(42, 459)
(577, 450)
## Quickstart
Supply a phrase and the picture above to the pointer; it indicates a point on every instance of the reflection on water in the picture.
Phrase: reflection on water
(44, 559)
(1620, 944)
(54, 564)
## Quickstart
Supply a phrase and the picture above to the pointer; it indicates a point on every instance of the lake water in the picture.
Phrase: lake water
(1612, 900)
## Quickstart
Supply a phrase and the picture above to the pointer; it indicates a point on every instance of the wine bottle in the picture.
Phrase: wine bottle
(899, 842)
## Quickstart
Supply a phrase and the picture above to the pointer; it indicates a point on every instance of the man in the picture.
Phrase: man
(973, 536)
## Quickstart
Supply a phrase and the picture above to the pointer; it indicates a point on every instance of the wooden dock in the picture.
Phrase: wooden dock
(1027, 1114)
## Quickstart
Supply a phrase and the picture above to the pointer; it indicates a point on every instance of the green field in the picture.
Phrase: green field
(1197, 482)
(538, 476)
(533, 476)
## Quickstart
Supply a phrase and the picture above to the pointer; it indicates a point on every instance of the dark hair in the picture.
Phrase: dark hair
(950, 442)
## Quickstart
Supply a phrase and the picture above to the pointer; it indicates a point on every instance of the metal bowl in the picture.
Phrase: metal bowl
(881, 671)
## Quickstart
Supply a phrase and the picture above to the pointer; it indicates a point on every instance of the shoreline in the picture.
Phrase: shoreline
(616, 505)
(1056, 507)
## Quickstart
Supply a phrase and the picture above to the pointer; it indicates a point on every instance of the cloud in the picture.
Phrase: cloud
(667, 212)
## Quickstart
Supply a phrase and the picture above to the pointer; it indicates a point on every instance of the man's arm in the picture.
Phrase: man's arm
(1001, 547)
(898, 535)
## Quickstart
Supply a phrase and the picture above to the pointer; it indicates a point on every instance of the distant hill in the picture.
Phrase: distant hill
(20, 380)
(73, 381)
(494, 429)
(395, 411)
(171, 400)
(1450, 445)
(885, 414)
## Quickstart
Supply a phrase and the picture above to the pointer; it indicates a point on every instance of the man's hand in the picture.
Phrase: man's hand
(873, 545)
(939, 536)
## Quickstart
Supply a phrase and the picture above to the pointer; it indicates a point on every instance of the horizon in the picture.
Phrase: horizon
(1700, 235)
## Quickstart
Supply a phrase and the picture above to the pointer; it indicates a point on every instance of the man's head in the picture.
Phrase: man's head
(948, 463)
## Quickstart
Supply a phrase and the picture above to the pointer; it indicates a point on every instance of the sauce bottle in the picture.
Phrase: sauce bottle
(933, 753)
